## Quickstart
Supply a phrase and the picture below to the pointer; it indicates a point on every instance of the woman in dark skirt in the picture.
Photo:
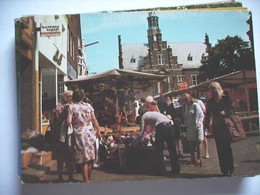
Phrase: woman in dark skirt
(60, 149)
(218, 107)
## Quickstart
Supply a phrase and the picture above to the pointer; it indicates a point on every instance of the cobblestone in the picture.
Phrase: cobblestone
(246, 156)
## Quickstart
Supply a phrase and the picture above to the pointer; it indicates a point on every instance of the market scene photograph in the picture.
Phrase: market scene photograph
(155, 94)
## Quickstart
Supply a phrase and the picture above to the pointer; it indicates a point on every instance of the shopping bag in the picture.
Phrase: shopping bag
(235, 128)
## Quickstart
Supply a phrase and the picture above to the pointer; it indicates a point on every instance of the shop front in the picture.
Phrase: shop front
(51, 85)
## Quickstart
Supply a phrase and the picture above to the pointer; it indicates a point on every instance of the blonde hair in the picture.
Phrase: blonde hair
(66, 95)
(218, 88)
(169, 116)
(149, 99)
(187, 96)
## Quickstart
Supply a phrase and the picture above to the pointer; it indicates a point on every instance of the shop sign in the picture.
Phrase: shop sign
(183, 86)
(50, 30)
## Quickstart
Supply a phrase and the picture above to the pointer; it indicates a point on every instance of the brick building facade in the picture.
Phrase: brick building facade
(179, 61)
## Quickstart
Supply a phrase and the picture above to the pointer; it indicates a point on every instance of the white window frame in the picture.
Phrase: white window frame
(73, 49)
(71, 45)
(194, 79)
(180, 78)
(160, 59)
(60, 85)
(68, 40)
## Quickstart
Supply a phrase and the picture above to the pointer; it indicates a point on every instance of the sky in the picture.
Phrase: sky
(10, 183)
(176, 27)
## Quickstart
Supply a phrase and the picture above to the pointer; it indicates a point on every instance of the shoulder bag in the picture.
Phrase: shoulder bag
(235, 127)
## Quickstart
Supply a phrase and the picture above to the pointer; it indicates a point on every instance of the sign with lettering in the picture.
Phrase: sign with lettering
(183, 86)
(50, 30)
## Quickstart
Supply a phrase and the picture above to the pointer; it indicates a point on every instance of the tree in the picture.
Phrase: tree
(228, 55)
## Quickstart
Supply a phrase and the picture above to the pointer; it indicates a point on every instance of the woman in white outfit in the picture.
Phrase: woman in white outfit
(193, 118)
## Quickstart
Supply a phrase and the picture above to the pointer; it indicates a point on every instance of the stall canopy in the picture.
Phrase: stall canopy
(115, 75)
(230, 80)
(226, 81)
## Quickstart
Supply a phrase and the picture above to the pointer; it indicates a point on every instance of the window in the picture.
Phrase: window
(79, 45)
(194, 80)
(73, 49)
(70, 49)
(160, 59)
(190, 58)
(180, 78)
(80, 70)
(60, 86)
(68, 40)
(132, 60)
(204, 56)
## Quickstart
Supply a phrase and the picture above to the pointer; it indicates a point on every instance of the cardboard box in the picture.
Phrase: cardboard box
(41, 158)
(26, 159)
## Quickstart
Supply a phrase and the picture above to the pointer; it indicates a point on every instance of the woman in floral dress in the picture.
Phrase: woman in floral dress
(85, 131)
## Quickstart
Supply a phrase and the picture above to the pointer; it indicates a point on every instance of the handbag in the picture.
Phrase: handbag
(235, 127)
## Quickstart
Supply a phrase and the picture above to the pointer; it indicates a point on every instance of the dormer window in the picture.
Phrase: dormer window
(204, 56)
(190, 57)
(132, 59)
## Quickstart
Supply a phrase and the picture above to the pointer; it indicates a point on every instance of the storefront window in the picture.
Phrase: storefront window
(60, 86)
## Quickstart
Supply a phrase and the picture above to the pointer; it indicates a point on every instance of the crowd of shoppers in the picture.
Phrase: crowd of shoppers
(194, 117)
(76, 147)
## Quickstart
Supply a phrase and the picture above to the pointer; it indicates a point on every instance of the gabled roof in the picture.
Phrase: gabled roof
(181, 50)
(134, 51)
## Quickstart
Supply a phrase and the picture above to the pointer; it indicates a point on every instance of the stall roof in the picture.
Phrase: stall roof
(230, 80)
(116, 74)
(226, 81)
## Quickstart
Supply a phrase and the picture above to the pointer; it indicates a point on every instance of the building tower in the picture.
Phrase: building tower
(153, 28)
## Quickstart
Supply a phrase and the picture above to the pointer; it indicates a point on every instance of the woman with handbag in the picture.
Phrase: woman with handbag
(193, 119)
(85, 131)
(218, 107)
(59, 145)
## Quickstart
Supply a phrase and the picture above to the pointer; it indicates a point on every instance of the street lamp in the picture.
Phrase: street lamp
(84, 50)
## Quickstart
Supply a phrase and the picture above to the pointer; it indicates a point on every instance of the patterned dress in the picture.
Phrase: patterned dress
(83, 131)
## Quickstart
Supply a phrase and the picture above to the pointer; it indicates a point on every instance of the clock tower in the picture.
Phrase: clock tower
(153, 28)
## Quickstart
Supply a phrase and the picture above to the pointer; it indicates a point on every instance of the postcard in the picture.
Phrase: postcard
(138, 95)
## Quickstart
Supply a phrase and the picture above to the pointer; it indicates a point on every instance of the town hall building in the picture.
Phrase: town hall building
(179, 61)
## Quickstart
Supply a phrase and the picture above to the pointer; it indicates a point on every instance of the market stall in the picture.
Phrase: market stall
(242, 89)
(118, 85)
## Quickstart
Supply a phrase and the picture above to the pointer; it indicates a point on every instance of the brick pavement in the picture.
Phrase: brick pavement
(246, 161)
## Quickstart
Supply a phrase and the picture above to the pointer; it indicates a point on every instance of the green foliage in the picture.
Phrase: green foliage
(185, 7)
(228, 55)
